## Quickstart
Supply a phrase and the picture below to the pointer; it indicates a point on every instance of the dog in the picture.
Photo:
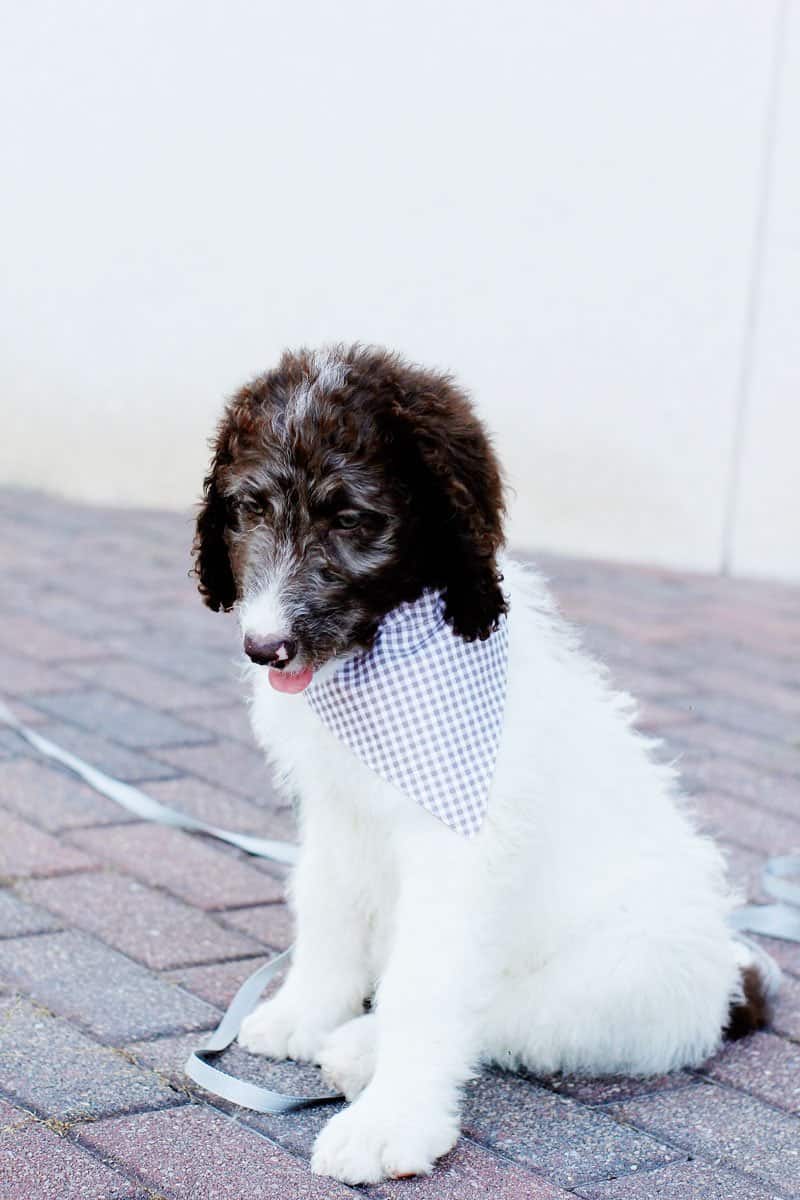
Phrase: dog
(583, 927)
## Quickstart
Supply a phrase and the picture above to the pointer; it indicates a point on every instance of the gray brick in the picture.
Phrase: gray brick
(555, 1136)
(53, 799)
(37, 640)
(53, 1069)
(470, 1171)
(37, 1164)
(126, 721)
(25, 850)
(185, 864)
(230, 765)
(728, 1127)
(681, 1181)
(85, 981)
(224, 720)
(17, 918)
(162, 650)
(195, 1154)
(123, 763)
(145, 924)
(139, 682)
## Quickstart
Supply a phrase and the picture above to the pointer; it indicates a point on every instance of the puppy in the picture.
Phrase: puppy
(583, 927)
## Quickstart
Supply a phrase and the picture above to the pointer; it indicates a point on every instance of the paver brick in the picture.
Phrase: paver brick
(230, 765)
(786, 1016)
(185, 864)
(25, 850)
(139, 682)
(35, 639)
(37, 1164)
(17, 918)
(728, 1127)
(217, 807)
(271, 923)
(131, 766)
(781, 757)
(558, 1137)
(162, 650)
(22, 676)
(51, 1067)
(98, 988)
(470, 1172)
(126, 721)
(746, 825)
(780, 793)
(224, 720)
(296, 1133)
(145, 924)
(216, 983)
(193, 1153)
(762, 1065)
(681, 1181)
(53, 798)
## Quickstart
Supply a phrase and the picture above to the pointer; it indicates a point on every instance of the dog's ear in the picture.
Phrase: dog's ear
(211, 561)
(464, 500)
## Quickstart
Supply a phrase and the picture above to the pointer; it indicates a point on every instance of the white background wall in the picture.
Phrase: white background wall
(589, 211)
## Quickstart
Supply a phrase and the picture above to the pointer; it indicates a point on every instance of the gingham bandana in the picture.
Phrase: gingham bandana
(424, 709)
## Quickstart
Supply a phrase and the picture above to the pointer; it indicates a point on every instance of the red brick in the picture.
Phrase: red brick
(143, 923)
(37, 1164)
(182, 863)
(216, 983)
(271, 923)
(225, 720)
(196, 1154)
(25, 850)
(747, 826)
(229, 764)
(469, 1172)
(53, 799)
(762, 1065)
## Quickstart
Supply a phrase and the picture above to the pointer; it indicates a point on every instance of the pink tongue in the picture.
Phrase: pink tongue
(291, 682)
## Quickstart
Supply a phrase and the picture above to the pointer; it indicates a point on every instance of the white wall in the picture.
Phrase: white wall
(559, 202)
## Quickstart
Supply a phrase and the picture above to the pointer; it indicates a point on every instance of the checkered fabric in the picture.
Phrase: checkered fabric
(423, 709)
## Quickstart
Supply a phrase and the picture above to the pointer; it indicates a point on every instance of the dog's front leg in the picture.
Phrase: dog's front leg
(426, 1025)
(328, 981)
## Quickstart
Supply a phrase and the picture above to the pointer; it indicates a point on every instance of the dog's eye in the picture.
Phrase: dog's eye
(348, 518)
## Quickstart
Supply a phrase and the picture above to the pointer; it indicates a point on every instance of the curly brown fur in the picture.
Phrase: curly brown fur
(355, 431)
(752, 1011)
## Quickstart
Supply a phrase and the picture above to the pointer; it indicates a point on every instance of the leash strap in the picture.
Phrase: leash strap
(781, 880)
(142, 805)
(239, 1091)
(197, 1067)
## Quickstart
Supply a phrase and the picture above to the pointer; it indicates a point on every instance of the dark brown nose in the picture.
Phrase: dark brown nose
(269, 652)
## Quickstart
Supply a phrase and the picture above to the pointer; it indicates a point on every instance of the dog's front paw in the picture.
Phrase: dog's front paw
(370, 1142)
(279, 1028)
(347, 1055)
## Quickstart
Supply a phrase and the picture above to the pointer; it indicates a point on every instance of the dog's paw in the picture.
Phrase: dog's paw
(347, 1055)
(279, 1029)
(366, 1143)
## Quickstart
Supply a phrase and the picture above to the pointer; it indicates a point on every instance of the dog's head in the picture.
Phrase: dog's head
(342, 484)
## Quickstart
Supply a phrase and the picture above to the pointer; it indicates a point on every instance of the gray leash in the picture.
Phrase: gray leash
(238, 1091)
(781, 880)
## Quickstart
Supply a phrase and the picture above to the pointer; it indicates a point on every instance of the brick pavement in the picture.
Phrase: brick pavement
(119, 941)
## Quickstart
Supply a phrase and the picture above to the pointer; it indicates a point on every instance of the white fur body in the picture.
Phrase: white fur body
(583, 929)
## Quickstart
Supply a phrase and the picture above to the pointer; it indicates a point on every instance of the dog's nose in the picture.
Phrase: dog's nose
(269, 652)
